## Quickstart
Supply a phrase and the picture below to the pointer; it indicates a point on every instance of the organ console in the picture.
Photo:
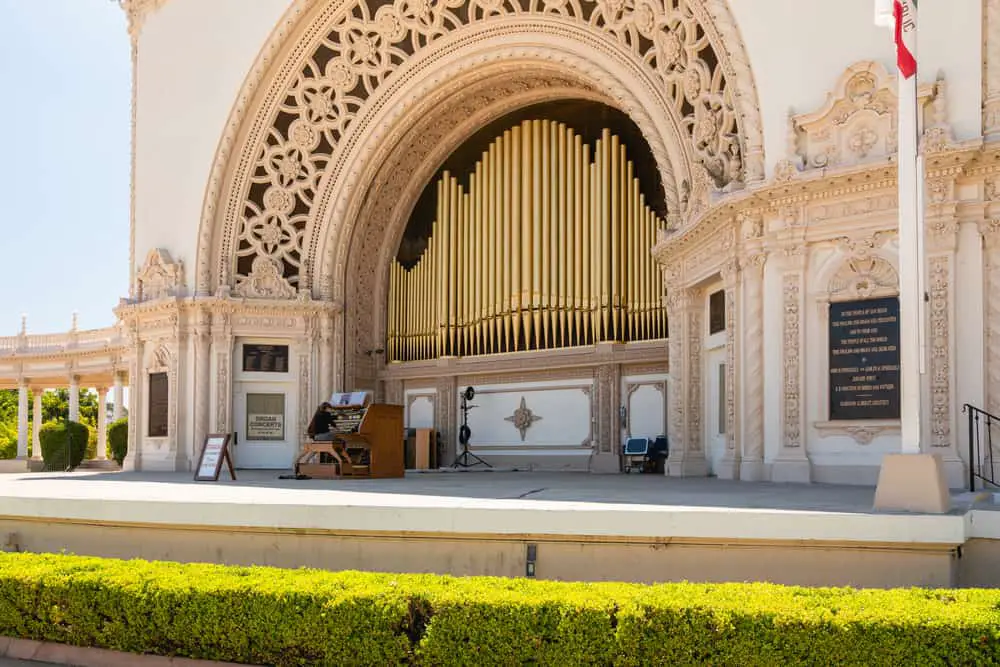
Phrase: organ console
(367, 441)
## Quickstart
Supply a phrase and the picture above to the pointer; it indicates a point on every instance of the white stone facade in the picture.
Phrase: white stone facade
(270, 194)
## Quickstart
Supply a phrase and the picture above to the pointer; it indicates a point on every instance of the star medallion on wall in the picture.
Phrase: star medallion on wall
(523, 418)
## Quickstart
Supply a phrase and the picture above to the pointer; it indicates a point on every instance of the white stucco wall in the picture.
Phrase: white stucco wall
(193, 58)
(798, 50)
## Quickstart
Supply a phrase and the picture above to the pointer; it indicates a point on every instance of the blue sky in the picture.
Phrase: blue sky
(65, 91)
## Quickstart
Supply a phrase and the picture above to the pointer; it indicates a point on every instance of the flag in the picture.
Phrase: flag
(905, 12)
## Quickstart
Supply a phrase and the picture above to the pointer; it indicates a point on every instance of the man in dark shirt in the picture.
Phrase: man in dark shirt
(319, 427)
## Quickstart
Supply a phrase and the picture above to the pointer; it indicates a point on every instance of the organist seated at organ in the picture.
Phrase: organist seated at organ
(319, 427)
(350, 437)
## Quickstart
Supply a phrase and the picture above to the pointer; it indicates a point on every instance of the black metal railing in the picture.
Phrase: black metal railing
(984, 464)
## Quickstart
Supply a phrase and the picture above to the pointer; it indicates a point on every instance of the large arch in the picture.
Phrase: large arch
(320, 167)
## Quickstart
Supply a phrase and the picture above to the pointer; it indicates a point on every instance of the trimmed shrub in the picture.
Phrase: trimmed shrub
(118, 440)
(8, 441)
(58, 437)
(303, 617)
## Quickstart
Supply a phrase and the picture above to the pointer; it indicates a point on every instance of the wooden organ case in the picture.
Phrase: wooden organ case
(367, 442)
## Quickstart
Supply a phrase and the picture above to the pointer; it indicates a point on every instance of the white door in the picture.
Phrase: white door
(265, 426)
(716, 422)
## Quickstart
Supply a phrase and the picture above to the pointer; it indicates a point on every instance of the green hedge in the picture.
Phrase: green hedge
(305, 617)
(54, 437)
(118, 440)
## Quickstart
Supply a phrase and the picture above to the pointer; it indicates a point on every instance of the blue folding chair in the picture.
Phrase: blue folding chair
(634, 453)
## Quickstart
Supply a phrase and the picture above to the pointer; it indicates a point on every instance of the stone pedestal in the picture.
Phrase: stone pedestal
(795, 470)
(912, 483)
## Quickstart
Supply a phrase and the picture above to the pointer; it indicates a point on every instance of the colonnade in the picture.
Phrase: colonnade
(26, 386)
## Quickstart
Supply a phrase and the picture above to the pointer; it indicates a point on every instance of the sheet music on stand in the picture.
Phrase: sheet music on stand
(352, 399)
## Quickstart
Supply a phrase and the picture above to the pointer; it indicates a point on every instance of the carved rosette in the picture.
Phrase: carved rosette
(939, 286)
(791, 339)
(523, 418)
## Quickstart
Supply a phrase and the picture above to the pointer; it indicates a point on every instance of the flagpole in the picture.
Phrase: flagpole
(910, 206)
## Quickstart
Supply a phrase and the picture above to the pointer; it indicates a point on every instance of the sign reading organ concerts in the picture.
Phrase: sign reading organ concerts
(864, 359)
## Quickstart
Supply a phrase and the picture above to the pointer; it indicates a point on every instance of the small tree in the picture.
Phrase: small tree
(118, 439)
(63, 438)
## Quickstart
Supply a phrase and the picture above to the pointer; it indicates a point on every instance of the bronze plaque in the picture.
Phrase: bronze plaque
(864, 359)
(159, 402)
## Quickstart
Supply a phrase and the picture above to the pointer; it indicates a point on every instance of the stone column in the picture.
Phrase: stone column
(22, 420)
(941, 436)
(792, 462)
(607, 403)
(119, 397)
(133, 460)
(752, 369)
(203, 377)
(325, 382)
(991, 70)
(102, 424)
(74, 398)
(729, 467)
(446, 419)
(685, 308)
(36, 425)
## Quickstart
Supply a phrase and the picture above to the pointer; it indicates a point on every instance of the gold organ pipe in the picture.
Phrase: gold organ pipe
(592, 245)
(562, 239)
(577, 238)
(488, 268)
(535, 232)
(544, 303)
(523, 240)
(549, 246)
(504, 242)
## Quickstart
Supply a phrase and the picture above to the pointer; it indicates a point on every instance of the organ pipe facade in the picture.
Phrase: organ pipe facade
(549, 246)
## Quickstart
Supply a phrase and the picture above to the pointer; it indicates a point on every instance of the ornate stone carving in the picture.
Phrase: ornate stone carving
(324, 97)
(939, 279)
(791, 388)
(137, 11)
(863, 277)
(863, 432)
(694, 388)
(857, 123)
(265, 281)
(160, 276)
(523, 418)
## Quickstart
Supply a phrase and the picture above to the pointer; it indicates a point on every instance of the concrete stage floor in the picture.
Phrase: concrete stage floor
(479, 522)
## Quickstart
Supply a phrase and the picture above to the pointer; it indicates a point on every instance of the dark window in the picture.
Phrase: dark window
(717, 312)
(159, 401)
(265, 358)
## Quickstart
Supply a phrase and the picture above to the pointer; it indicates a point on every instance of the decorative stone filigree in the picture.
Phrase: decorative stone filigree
(864, 277)
(160, 276)
(939, 279)
(523, 418)
(857, 123)
(362, 46)
(265, 281)
(863, 433)
(791, 389)
(137, 11)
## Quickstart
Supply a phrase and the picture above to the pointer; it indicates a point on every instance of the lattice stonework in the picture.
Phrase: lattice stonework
(369, 41)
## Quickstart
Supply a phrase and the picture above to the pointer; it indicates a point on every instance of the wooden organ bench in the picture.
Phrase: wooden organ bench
(367, 442)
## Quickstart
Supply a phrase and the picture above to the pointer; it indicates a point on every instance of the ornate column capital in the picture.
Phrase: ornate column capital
(137, 11)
